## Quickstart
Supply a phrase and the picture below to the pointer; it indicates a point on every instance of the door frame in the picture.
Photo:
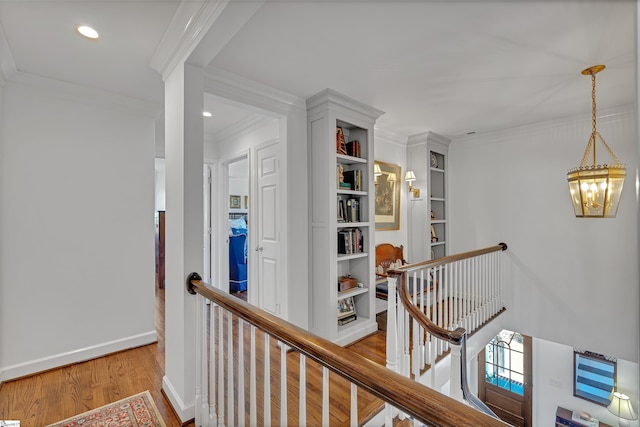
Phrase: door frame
(222, 239)
(483, 386)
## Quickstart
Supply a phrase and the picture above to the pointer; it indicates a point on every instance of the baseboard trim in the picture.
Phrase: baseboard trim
(183, 412)
(81, 355)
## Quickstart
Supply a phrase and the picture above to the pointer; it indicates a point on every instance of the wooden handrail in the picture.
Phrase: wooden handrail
(457, 336)
(447, 259)
(411, 397)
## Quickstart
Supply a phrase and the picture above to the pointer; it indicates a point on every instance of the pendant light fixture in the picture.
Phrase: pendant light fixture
(596, 188)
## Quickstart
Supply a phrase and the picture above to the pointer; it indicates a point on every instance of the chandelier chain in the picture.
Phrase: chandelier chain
(591, 146)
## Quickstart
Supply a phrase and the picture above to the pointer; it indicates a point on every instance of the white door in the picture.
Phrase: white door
(268, 229)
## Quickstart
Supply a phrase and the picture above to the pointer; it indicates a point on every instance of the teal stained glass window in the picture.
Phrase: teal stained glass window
(504, 362)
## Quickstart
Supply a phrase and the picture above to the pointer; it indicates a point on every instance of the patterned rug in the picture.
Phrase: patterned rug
(136, 411)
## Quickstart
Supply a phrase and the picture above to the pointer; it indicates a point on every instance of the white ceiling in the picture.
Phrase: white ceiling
(445, 66)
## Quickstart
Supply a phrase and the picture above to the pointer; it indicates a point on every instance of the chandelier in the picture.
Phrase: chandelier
(596, 188)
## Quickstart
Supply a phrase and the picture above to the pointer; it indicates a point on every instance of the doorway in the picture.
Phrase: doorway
(504, 377)
(238, 215)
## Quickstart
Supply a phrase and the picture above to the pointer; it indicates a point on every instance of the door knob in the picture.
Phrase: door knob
(259, 248)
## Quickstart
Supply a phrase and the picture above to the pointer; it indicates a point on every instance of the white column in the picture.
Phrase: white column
(184, 238)
(455, 389)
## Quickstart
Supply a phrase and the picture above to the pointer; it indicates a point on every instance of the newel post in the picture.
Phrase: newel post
(455, 377)
(392, 339)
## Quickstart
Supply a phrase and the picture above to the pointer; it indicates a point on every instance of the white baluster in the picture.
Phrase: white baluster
(267, 380)
(283, 384)
(253, 399)
(220, 367)
(325, 396)
(230, 385)
(241, 387)
(302, 394)
(415, 348)
(213, 367)
(201, 415)
(354, 404)
(392, 341)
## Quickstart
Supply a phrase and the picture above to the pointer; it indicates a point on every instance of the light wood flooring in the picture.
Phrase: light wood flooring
(57, 394)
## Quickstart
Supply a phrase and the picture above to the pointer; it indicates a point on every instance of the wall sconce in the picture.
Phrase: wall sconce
(621, 407)
(410, 177)
(595, 189)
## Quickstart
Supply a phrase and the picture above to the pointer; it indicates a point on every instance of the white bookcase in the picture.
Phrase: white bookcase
(427, 157)
(342, 241)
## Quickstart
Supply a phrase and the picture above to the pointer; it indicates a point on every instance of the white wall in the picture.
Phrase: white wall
(570, 279)
(553, 384)
(389, 149)
(77, 227)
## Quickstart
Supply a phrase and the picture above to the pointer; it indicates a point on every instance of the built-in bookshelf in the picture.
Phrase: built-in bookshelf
(428, 215)
(342, 294)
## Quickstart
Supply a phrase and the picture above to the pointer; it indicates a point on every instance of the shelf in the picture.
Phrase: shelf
(351, 192)
(348, 160)
(352, 224)
(437, 199)
(438, 221)
(347, 257)
(439, 243)
(437, 170)
(352, 292)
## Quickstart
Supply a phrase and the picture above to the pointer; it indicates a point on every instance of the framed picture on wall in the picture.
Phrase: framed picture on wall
(246, 202)
(387, 206)
(234, 202)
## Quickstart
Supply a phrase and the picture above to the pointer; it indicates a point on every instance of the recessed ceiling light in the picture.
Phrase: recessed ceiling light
(206, 114)
(88, 32)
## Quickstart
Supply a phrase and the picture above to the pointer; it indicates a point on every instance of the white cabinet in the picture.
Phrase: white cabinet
(428, 214)
(342, 219)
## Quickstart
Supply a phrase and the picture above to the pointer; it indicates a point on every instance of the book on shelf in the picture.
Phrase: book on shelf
(350, 241)
(354, 179)
(347, 319)
(353, 148)
(352, 210)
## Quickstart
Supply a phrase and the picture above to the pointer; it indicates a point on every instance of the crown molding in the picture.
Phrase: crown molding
(247, 92)
(7, 64)
(332, 97)
(389, 136)
(605, 116)
(245, 126)
(86, 95)
(187, 27)
(429, 136)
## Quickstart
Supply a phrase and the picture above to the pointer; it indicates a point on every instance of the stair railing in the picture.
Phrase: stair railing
(443, 301)
(226, 397)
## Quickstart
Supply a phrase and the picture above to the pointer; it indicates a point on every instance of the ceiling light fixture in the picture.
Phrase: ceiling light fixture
(595, 189)
(87, 32)
(206, 114)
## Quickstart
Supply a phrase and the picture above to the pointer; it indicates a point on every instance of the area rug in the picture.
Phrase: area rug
(135, 411)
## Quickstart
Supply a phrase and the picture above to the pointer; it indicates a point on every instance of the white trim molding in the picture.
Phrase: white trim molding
(198, 31)
(76, 356)
(247, 93)
(185, 412)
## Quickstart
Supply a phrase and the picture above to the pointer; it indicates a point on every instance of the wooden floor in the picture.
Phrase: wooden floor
(58, 394)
